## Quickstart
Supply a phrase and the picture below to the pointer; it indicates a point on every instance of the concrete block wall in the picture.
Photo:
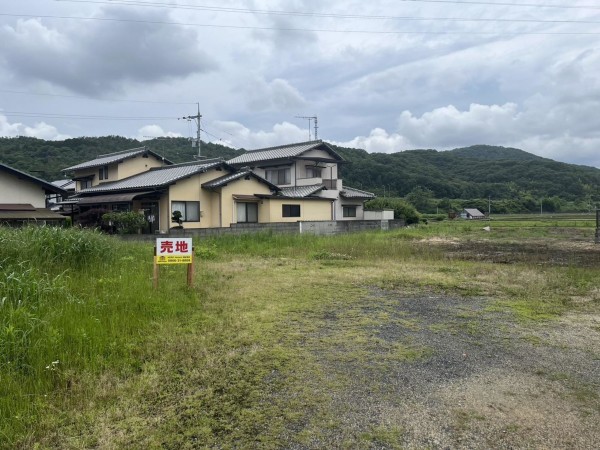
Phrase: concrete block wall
(326, 227)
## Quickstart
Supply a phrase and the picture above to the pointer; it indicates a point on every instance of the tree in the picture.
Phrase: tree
(420, 197)
(402, 209)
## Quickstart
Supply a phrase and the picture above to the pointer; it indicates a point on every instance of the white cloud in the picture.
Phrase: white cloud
(243, 137)
(378, 141)
(153, 131)
(448, 127)
(40, 130)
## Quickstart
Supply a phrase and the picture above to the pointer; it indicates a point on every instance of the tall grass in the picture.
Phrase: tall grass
(72, 303)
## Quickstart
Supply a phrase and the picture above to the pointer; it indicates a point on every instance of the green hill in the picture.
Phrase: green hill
(46, 159)
(472, 172)
(476, 172)
(495, 153)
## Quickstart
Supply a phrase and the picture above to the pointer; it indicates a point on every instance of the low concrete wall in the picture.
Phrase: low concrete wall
(326, 227)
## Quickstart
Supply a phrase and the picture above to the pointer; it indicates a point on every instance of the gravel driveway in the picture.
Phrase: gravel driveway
(450, 372)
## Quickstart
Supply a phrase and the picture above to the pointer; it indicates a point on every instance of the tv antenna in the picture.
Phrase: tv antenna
(310, 119)
(196, 142)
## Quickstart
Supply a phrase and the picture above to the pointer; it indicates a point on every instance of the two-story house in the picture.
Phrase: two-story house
(307, 174)
(297, 182)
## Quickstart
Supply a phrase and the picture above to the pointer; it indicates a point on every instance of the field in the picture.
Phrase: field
(437, 336)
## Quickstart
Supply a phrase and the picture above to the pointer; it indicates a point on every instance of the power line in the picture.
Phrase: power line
(305, 13)
(315, 30)
(80, 116)
(9, 91)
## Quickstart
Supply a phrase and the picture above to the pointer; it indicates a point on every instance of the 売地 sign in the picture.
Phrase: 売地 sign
(173, 251)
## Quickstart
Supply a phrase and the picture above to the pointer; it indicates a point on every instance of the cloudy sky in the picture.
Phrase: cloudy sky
(383, 75)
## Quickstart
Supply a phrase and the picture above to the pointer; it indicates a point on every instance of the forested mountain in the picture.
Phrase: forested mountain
(46, 159)
(472, 172)
(464, 173)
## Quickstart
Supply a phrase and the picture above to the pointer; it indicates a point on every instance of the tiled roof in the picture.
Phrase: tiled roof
(222, 181)
(157, 177)
(301, 191)
(225, 179)
(64, 184)
(110, 158)
(281, 152)
(349, 192)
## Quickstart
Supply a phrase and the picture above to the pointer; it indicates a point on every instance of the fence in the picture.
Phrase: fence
(325, 227)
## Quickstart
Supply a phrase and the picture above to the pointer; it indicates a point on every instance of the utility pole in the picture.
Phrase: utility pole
(197, 141)
(310, 119)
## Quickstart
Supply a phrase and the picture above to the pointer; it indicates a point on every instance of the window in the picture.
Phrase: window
(349, 211)
(313, 172)
(278, 176)
(247, 212)
(290, 210)
(85, 184)
(103, 173)
(120, 207)
(190, 211)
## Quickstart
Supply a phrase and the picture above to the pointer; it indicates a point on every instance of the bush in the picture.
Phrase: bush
(128, 222)
(402, 209)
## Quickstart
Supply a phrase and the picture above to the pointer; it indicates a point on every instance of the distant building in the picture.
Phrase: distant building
(472, 213)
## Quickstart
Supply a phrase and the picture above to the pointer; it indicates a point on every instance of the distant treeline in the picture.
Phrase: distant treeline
(507, 180)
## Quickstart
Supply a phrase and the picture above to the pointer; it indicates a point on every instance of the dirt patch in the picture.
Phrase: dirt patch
(577, 254)
(468, 376)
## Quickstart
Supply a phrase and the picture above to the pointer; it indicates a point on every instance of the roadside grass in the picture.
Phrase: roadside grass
(97, 358)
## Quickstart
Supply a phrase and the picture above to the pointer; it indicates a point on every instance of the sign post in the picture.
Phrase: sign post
(174, 251)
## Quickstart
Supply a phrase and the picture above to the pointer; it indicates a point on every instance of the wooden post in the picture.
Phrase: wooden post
(155, 271)
(190, 271)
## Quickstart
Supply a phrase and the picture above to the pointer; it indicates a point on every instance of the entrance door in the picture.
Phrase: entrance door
(151, 215)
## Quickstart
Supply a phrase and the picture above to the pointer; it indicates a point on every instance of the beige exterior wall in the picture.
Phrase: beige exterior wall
(217, 209)
(309, 210)
(240, 187)
(14, 190)
(133, 166)
(214, 210)
(164, 213)
(189, 189)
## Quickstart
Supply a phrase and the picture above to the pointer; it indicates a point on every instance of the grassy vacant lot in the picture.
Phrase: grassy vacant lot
(432, 337)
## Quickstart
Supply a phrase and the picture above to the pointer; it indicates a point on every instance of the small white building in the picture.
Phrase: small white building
(472, 213)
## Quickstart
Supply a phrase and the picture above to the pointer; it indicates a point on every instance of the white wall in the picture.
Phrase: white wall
(14, 190)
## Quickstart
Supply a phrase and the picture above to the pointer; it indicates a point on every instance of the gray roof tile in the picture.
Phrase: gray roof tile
(157, 177)
(349, 192)
(301, 191)
(281, 152)
(110, 158)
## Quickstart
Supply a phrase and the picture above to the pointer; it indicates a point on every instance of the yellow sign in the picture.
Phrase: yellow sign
(173, 259)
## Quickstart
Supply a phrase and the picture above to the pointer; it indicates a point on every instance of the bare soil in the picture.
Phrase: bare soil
(471, 376)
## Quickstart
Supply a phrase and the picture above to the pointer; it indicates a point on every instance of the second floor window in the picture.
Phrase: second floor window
(278, 176)
(103, 173)
(313, 172)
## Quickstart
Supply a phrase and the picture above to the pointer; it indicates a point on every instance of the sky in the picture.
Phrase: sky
(381, 75)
